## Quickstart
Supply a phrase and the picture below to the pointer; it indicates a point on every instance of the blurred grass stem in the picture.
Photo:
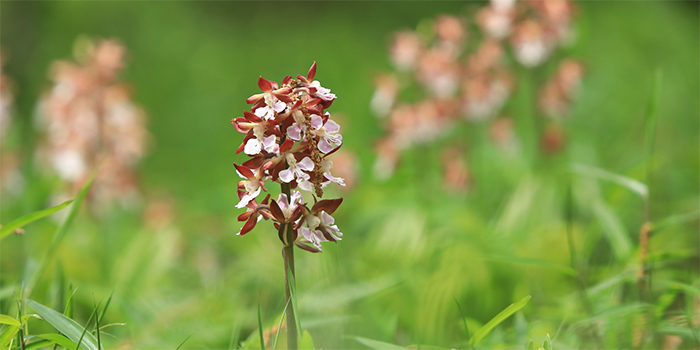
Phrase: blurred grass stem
(580, 278)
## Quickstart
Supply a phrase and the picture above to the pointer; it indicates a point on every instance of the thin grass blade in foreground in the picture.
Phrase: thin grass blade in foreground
(183, 342)
(22, 221)
(378, 345)
(260, 329)
(66, 326)
(60, 233)
(490, 325)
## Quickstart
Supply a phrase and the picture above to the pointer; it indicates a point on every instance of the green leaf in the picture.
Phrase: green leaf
(4, 319)
(530, 345)
(60, 233)
(624, 181)
(65, 325)
(378, 345)
(8, 333)
(22, 221)
(486, 329)
(306, 342)
(547, 343)
(57, 339)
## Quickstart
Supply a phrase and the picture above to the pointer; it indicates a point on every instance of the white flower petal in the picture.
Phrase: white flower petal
(339, 180)
(294, 132)
(252, 147)
(286, 175)
(305, 185)
(306, 164)
(279, 106)
(332, 127)
(324, 146)
(326, 218)
(316, 121)
(282, 201)
(247, 198)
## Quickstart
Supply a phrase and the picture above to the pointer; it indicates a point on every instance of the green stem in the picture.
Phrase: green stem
(288, 256)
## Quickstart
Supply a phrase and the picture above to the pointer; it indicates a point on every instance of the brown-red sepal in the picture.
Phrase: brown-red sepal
(286, 145)
(249, 225)
(308, 248)
(252, 117)
(312, 72)
(327, 205)
(325, 233)
(277, 212)
(245, 216)
(247, 173)
(264, 84)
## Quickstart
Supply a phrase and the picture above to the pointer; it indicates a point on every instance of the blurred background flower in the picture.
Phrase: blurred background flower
(88, 121)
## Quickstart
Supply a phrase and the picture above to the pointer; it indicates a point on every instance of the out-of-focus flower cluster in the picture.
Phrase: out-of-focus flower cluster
(10, 177)
(6, 100)
(289, 136)
(88, 119)
(466, 75)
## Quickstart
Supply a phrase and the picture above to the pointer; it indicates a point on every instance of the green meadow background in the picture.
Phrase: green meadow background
(411, 248)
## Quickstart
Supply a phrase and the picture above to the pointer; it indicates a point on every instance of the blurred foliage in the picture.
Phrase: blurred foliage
(411, 248)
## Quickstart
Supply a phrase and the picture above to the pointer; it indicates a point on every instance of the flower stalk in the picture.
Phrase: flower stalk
(289, 283)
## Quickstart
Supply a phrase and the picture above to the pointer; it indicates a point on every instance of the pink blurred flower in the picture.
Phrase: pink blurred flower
(88, 117)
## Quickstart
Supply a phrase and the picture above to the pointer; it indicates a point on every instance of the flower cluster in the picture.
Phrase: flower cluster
(289, 136)
(470, 75)
(88, 119)
(11, 178)
(6, 99)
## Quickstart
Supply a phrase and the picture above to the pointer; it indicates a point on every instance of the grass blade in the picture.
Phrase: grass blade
(183, 342)
(486, 329)
(260, 328)
(68, 311)
(65, 325)
(60, 233)
(22, 221)
(279, 326)
(102, 315)
(234, 336)
(675, 220)
(97, 322)
(464, 319)
(627, 182)
(77, 346)
(378, 345)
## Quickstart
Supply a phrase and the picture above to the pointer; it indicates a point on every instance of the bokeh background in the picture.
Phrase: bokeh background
(411, 247)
